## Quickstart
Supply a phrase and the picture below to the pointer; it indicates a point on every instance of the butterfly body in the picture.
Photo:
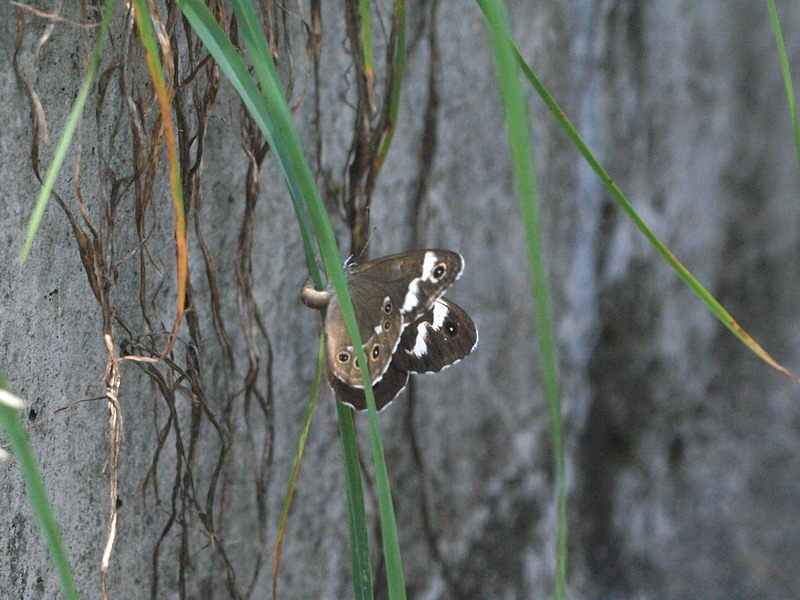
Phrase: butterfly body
(403, 322)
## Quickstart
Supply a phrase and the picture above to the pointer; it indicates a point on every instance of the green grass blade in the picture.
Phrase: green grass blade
(391, 543)
(712, 303)
(356, 511)
(522, 159)
(37, 494)
(69, 131)
(333, 267)
(219, 45)
(332, 261)
(279, 116)
(356, 523)
(298, 173)
(787, 76)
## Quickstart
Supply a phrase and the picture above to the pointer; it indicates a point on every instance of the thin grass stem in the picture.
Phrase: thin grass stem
(280, 129)
(359, 536)
(70, 127)
(522, 159)
(396, 82)
(366, 41)
(712, 303)
(164, 95)
(787, 76)
(298, 457)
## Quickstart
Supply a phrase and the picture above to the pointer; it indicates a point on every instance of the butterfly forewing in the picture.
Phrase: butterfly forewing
(440, 337)
(413, 280)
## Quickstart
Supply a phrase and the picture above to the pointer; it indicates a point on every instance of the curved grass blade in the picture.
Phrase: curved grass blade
(787, 76)
(331, 259)
(37, 493)
(712, 303)
(522, 159)
(298, 173)
(359, 538)
(219, 45)
(69, 131)
(164, 96)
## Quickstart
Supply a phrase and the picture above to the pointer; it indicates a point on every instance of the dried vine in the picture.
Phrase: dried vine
(187, 404)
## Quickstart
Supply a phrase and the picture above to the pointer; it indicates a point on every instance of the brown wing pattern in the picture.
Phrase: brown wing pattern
(415, 279)
(440, 337)
(386, 390)
(387, 294)
(405, 324)
(379, 324)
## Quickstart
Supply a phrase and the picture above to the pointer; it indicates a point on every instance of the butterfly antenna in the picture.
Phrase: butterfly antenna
(366, 245)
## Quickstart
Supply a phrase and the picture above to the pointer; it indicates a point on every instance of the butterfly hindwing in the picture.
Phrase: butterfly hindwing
(379, 324)
(440, 337)
(386, 390)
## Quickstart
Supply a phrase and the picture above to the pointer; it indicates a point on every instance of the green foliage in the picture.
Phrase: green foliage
(787, 76)
(359, 538)
(69, 131)
(272, 115)
(519, 144)
(37, 493)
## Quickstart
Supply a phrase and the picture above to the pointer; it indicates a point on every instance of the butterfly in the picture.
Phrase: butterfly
(405, 324)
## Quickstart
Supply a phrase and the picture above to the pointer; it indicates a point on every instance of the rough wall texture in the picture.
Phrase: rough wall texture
(682, 447)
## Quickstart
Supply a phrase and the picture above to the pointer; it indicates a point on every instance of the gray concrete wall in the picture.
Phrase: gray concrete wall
(682, 446)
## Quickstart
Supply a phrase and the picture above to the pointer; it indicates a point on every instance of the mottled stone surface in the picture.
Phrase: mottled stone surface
(682, 446)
